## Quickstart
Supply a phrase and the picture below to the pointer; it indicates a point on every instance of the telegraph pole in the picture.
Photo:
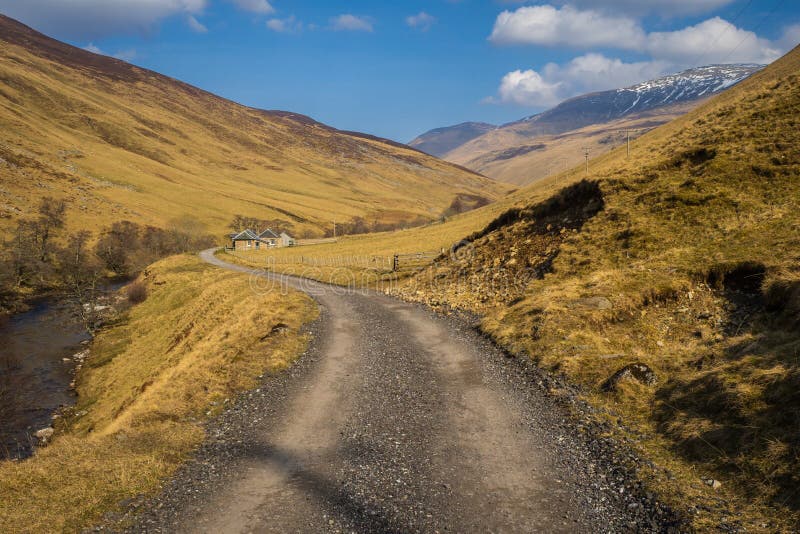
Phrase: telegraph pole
(628, 133)
(586, 155)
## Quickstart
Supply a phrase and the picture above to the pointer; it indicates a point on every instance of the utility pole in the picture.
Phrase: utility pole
(586, 155)
(628, 133)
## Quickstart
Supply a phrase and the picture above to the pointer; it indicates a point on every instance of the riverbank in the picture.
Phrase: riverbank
(150, 380)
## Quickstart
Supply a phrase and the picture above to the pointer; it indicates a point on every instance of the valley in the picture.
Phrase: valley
(587, 320)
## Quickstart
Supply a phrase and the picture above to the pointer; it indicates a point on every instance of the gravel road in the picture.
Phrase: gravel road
(397, 419)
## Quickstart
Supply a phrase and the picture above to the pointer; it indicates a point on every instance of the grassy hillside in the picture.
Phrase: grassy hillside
(201, 336)
(684, 260)
(517, 158)
(120, 142)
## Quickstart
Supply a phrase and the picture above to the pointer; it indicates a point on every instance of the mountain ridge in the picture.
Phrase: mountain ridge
(666, 97)
(116, 141)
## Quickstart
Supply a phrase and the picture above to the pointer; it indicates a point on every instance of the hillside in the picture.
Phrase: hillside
(667, 288)
(681, 259)
(121, 142)
(523, 161)
(524, 151)
(440, 141)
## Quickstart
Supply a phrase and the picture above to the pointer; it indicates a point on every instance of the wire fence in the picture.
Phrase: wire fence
(390, 263)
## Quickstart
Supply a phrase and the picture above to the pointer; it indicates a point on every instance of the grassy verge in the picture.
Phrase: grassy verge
(152, 378)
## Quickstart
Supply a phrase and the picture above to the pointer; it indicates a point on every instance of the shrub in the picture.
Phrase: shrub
(137, 293)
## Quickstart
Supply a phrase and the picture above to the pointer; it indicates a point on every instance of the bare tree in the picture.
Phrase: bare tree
(81, 275)
(52, 216)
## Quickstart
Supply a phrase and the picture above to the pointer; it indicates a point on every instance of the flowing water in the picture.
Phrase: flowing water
(34, 376)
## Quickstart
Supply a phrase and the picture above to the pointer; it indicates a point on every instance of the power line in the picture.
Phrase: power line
(710, 48)
(778, 4)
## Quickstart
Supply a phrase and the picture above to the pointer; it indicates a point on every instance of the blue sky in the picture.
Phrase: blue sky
(397, 69)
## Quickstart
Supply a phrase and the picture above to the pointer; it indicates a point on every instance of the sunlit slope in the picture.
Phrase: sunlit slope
(118, 141)
(522, 160)
(685, 258)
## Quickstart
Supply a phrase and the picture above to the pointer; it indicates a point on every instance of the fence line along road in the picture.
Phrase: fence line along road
(394, 263)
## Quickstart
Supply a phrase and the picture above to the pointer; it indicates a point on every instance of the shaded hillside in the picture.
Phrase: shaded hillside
(668, 288)
(638, 107)
(440, 141)
(120, 142)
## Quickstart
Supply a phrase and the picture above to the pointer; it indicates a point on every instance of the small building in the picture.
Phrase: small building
(287, 240)
(246, 240)
(269, 237)
(250, 240)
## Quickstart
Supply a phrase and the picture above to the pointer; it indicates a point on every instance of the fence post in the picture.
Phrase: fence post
(396, 263)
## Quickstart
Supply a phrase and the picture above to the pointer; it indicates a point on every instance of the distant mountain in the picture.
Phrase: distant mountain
(594, 108)
(442, 140)
(496, 152)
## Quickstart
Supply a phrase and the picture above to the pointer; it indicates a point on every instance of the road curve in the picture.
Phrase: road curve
(395, 420)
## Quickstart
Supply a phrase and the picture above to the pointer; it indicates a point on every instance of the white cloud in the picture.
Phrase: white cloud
(93, 49)
(712, 41)
(124, 55)
(528, 88)
(584, 74)
(287, 25)
(87, 19)
(351, 23)
(421, 20)
(195, 25)
(661, 7)
(567, 26)
(255, 6)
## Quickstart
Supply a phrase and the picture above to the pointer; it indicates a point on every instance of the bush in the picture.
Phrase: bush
(137, 293)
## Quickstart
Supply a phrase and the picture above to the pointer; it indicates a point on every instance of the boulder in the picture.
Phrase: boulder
(44, 435)
(591, 303)
(638, 371)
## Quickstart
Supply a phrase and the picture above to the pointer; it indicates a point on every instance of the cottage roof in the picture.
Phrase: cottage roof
(247, 235)
(268, 234)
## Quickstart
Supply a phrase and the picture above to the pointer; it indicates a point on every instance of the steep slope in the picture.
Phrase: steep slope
(668, 288)
(120, 142)
(645, 105)
(440, 141)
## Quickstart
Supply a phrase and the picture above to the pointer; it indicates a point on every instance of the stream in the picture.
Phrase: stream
(36, 369)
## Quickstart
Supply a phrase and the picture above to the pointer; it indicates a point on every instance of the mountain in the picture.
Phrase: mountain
(667, 286)
(440, 141)
(639, 108)
(121, 142)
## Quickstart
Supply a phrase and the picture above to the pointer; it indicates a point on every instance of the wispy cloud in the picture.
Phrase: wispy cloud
(285, 25)
(255, 6)
(195, 25)
(422, 21)
(124, 55)
(93, 19)
(352, 23)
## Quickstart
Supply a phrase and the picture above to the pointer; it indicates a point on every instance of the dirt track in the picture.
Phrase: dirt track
(396, 420)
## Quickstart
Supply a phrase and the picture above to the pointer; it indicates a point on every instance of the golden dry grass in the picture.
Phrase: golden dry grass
(120, 142)
(556, 153)
(703, 206)
(199, 338)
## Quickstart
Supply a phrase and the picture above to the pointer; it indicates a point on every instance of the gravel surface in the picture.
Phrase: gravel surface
(397, 419)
